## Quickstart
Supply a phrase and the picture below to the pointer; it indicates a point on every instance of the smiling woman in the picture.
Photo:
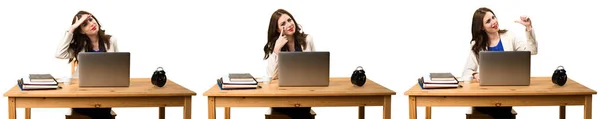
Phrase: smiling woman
(486, 36)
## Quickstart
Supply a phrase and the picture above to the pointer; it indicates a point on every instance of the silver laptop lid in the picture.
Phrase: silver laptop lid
(104, 69)
(303, 69)
(505, 68)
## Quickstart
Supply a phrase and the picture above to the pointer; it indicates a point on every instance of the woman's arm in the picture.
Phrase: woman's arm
(113, 44)
(272, 66)
(272, 62)
(470, 66)
(527, 45)
(310, 45)
(63, 51)
(531, 43)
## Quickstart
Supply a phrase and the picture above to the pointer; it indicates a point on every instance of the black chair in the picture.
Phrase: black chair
(275, 115)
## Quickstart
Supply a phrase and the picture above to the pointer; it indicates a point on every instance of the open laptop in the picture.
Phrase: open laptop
(104, 69)
(504, 68)
(303, 69)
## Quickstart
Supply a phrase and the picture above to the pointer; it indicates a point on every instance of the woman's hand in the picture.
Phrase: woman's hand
(281, 41)
(79, 22)
(525, 21)
(476, 77)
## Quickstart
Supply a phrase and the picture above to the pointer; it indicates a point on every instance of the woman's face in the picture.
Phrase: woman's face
(490, 23)
(286, 23)
(90, 26)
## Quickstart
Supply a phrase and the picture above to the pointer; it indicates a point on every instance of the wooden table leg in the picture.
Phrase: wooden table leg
(412, 107)
(212, 114)
(387, 107)
(227, 112)
(587, 107)
(161, 112)
(12, 108)
(27, 113)
(361, 112)
(187, 107)
(428, 112)
(562, 114)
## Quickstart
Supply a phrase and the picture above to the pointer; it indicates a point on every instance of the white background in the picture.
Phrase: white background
(396, 41)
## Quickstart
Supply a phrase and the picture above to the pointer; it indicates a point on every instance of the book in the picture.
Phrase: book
(41, 78)
(239, 86)
(24, 86)
(428, 79)
(241, 77)
(36, 79)
(29, 82)
(442, 76)
(421, 82)
(224, 86)
(227, 80)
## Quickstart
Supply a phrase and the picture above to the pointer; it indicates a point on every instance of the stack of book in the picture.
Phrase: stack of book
(438, 80)
(237, 81)
(38, 82)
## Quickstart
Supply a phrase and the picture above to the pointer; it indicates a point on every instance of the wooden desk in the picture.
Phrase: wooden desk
(141, 93)
(541, 92)
(339, 93)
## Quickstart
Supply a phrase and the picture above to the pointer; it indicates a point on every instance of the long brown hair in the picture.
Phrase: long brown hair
(273, 32)
(478, 33)
(82, 42)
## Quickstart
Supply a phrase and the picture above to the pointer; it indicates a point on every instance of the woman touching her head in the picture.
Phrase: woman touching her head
(285, 35)
(86, 35)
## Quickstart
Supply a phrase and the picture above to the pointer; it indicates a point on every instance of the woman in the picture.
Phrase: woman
(486, 36)
(284, 35)
(86, 35)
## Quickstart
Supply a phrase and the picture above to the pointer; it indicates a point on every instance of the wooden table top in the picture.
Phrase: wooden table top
(539, 86)
(337, 87)
(139, 87)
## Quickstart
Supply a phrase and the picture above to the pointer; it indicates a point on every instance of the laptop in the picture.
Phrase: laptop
(104, 69)
(303, 69)
(504, 68)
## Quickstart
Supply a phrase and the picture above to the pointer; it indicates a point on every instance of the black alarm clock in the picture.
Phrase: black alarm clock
(358, 77)
(159, 78)
(559, 77)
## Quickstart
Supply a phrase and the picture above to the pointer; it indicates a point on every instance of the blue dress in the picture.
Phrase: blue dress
(498, 47)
